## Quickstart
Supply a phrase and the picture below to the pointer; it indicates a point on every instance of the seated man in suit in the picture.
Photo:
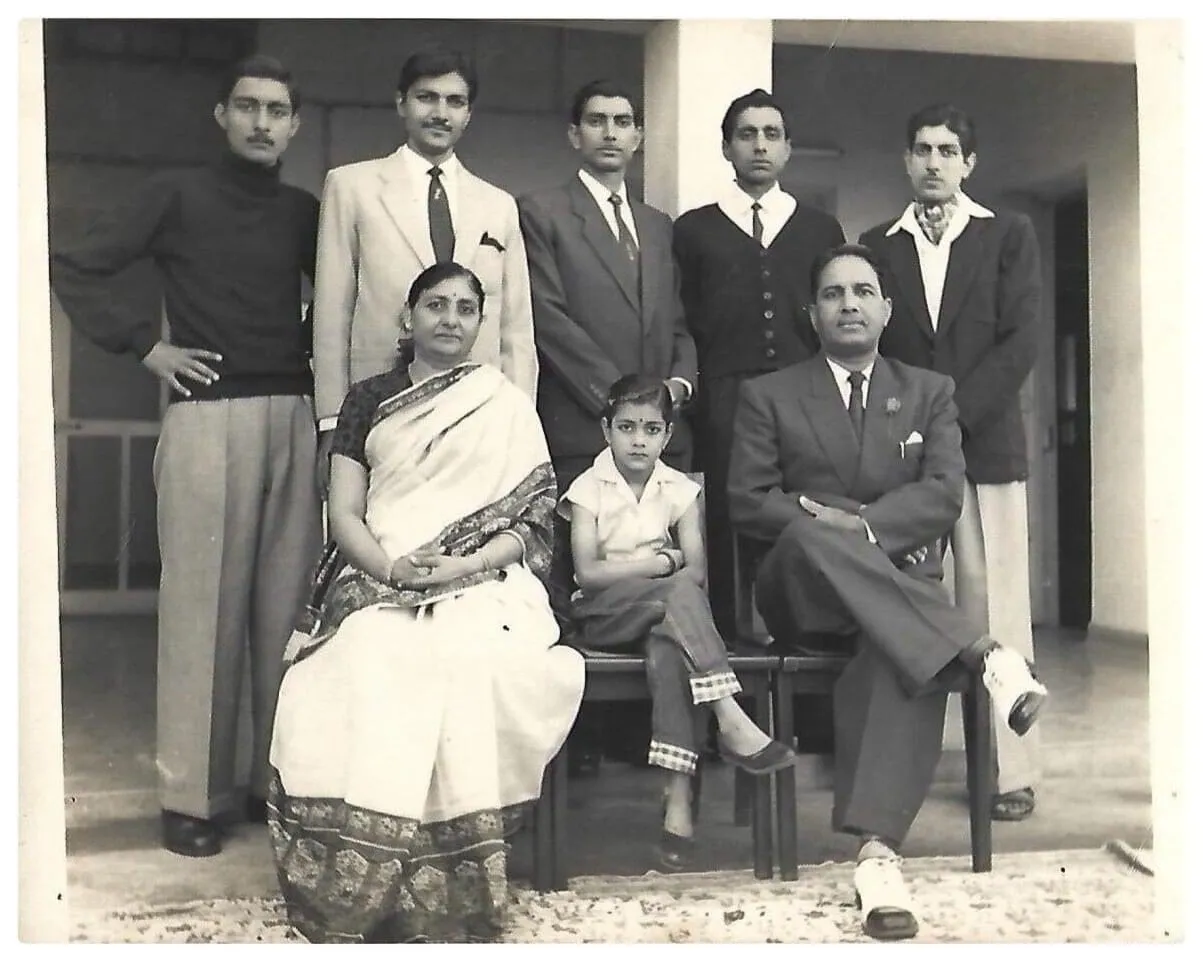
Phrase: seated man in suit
(850, 465)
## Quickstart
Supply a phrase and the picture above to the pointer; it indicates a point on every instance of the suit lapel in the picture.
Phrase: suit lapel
(404, 206)
(963, 262)
(649, 279)
(904, 265)
(824, 407)
(879, 443)
(470, 220)
(598, 235)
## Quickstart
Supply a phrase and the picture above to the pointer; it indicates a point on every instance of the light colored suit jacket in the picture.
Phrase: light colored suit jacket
(374, 239)
(793, 436)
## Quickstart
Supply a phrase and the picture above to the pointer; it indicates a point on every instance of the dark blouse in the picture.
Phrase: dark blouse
(359, 408)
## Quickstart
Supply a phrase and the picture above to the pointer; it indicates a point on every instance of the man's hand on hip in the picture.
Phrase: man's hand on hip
(172, 364)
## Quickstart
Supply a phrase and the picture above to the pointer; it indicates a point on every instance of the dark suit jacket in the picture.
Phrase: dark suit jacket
(591, 327)
(986, 338)
(793, 436)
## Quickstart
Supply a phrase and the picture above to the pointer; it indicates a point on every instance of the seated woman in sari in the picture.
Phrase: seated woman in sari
(419, 712)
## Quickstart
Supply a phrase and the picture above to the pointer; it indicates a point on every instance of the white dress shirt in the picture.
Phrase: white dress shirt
(933, 258)
(840, 373)
(776, 207)
(601, 193)
(418, 168)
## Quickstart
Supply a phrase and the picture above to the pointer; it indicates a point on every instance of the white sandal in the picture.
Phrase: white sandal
(884, 900)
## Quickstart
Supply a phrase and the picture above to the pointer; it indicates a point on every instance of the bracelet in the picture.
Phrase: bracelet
(672, 562)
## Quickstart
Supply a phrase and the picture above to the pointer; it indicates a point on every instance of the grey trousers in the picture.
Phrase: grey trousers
(890, 700)
(239, 534)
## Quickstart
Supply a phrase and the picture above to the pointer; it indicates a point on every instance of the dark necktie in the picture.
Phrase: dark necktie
(442, 234)
(626, 241)
(757, 224)
(856, 402)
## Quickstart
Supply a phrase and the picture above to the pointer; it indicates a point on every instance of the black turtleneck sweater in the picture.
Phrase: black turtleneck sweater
(230, 243)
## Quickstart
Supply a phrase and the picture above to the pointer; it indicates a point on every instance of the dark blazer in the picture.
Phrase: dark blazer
(793, 436)
(986, 338)
(591, 327)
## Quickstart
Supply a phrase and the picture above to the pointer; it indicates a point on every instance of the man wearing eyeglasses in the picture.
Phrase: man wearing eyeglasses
(965, 282)
(238, 507)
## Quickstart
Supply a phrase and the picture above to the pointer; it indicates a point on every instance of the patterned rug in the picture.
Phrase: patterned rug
(1078, 896)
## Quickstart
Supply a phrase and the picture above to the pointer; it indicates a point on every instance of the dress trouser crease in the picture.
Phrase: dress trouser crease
(239, 532)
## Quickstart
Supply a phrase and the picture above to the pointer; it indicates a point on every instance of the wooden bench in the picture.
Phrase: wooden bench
(622, 678)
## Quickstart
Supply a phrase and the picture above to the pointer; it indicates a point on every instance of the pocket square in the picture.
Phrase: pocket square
(914, 438)
(488, 241)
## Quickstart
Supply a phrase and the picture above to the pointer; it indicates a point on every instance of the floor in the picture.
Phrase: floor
(1096, 790)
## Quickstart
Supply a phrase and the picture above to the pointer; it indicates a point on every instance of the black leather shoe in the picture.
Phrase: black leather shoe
(256, 810)
(772, 758)
(193, 837)
(675, 853)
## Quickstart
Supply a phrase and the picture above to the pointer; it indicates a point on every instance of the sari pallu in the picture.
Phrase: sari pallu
(413, 726)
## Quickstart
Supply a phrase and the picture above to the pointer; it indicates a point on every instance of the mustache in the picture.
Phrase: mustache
(261, 139)
(436, 125)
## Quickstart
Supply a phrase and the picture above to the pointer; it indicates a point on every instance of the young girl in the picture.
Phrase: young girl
(639, 558)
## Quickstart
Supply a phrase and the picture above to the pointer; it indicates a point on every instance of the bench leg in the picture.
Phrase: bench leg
(544, 834)
(743, 798)
(559, 820)
(785, 781)
(979, 763)
(762, 804)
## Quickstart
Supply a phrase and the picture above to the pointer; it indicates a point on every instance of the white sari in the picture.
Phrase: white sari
(415, 723)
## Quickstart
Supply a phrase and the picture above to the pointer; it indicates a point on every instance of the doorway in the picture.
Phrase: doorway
(1072, 312)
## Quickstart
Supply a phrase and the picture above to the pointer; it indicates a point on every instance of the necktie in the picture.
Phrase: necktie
(442, 234)
(856, 402)
(626, 241)
(933, 218)
(757, 224)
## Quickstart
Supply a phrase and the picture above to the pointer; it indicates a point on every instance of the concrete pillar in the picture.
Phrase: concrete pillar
(692, 69)
(1160, 82)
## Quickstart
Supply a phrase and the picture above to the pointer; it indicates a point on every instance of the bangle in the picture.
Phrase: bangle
(672, 562)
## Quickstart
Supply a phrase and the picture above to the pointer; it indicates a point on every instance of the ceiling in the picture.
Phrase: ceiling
(1098, 41)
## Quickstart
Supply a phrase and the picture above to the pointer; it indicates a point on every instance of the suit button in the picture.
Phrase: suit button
(768, 295)
(768, 315)
(768, 335)
(766, 273)
(770, 352)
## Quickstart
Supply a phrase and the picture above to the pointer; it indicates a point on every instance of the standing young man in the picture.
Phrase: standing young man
(239, 514)
(965, 281)
(385, 221)
(606, 300)
(745, 299)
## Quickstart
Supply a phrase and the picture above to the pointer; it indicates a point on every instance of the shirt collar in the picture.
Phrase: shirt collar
(738, 201)
(840, 373)
(606, 470)
(599, 191)
(418, 166)
(966, 206)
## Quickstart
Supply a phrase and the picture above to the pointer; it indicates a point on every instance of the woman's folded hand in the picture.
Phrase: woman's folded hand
(431, 569)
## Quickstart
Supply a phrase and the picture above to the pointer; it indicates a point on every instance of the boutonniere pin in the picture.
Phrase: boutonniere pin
(893, 405)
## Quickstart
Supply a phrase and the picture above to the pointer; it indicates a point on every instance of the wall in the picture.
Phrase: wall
(517, 137)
